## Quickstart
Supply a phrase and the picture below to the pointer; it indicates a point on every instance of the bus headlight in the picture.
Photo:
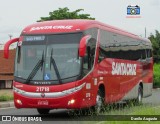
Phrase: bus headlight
(72, 101)
(19, 102)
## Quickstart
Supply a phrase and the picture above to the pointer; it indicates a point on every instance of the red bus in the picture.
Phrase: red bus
(78, 64)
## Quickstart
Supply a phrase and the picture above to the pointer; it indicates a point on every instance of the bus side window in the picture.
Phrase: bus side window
(102, 55)
(149, 53)
(86, 60)
(143, 54)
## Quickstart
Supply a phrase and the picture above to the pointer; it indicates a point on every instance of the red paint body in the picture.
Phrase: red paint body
(116, 86)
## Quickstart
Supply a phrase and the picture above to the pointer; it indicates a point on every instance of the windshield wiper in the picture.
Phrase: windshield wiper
(55, 67)
(35, 69)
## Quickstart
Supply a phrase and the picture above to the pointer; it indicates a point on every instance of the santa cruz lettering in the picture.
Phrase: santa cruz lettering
(123, 68)
(51, 27)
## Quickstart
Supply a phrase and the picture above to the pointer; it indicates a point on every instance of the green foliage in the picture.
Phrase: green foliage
(64, 13)
(5, 98)
(143, 111)
(156, 74)
(155, 39)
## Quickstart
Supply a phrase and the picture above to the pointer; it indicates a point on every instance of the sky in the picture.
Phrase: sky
(17, 14)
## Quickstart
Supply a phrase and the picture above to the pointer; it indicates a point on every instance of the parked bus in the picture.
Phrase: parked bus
(77, 64)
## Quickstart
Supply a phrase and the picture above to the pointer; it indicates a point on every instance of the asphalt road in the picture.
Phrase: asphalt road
(62, 116)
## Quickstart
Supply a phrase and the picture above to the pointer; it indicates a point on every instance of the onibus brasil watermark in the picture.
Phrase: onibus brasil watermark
(20, 118)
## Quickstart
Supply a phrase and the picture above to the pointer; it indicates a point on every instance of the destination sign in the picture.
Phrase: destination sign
(34, 38)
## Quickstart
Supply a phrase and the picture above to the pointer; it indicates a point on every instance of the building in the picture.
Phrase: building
(6, 68)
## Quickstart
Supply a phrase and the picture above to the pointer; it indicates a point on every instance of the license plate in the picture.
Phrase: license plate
(43, 102)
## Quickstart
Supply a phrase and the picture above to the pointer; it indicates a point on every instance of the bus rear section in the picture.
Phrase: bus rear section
(126, 66)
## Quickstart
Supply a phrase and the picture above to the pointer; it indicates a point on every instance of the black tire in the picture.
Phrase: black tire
(140, 96)
(99, 103)
(138, 100)
(86, 111)
(43, 111)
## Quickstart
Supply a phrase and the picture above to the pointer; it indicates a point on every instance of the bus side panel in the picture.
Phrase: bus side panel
(89, 91)
(144, 76)
(147, 77)
(111, 82)
(121, 78)
(129, 82)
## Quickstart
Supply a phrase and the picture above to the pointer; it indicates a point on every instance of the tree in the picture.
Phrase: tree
(64, 13)
(155, 39)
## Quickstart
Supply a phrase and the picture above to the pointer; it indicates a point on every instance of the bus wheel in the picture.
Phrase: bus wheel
(43, 111)
(99, 103)
(140, 95)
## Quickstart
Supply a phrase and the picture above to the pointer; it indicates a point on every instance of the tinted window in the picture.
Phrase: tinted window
(117, 46)
(88, 59)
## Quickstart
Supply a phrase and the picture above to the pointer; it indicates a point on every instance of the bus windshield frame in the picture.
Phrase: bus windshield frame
(60, 56)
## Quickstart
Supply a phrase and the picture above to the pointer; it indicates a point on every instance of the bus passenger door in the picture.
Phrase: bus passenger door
(87, 72)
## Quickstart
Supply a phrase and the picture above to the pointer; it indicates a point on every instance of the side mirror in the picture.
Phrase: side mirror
(83, 45)
(7, 45)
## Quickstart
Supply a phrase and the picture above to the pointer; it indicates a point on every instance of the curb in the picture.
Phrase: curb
(156, 88)
(6, 104)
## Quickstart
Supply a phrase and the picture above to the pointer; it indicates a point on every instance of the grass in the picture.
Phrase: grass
(126, 113)
(5, 98)
(6, 95)
(148, 111)
(143, 112)
(156, 74)
(152, 111)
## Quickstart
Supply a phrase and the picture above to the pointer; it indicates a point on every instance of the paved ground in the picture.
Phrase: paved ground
(65, 118)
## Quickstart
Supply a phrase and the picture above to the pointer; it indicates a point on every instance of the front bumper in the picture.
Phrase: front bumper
(70, 99)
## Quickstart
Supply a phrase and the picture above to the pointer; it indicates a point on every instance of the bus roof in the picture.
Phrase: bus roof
(74, 25)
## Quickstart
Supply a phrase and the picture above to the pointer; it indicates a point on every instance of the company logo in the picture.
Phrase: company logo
(42, 95)
(123, 68)
(133, 11)
(51, 27)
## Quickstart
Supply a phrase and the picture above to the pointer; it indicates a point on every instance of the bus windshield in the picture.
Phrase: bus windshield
(59, 52)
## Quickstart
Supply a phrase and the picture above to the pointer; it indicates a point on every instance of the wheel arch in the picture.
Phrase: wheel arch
(101, 87)
(141, 85)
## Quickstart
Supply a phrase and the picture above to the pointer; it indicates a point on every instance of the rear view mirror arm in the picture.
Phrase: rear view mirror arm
(7, 45)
